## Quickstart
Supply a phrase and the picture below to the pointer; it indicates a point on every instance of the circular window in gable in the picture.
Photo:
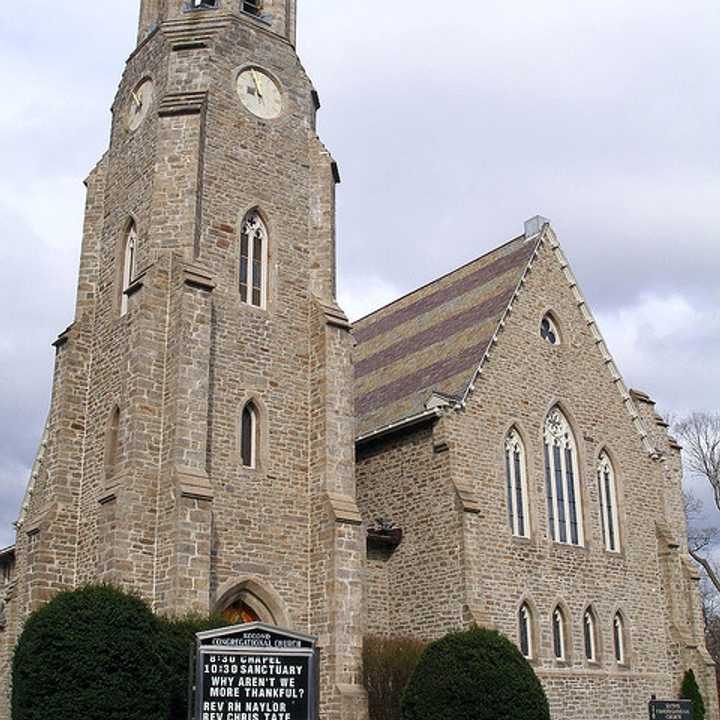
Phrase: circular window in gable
(549, 331)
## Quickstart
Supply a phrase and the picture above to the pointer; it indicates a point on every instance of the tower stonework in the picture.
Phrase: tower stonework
(142, 479)
(218, 441)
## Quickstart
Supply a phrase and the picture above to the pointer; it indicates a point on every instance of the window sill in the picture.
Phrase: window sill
(264, 19)
(571, 548)
(260, 311)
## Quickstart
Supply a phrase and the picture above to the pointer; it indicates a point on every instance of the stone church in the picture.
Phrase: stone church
(221, 438)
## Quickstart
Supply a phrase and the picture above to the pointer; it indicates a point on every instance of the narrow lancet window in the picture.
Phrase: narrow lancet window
(516, 481)
(253, 260)
(525, 631)
(608, 503)
(112, 443)
(562, 481)
(128, 266)
(590, 636)
(619, 639)
(558, 634)
(248, 436)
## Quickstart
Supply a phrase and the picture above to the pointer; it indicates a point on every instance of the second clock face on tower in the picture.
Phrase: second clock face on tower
(140, 101)
(259, 93)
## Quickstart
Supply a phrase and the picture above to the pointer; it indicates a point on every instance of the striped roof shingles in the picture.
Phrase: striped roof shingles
(433, 339)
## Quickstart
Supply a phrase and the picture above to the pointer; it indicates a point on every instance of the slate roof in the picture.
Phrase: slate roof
(433, 339)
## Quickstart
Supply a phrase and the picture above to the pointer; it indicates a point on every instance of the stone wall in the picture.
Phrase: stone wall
(176, 516)
(650, 581)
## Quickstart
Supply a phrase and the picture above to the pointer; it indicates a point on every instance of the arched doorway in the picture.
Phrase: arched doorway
(248, 600)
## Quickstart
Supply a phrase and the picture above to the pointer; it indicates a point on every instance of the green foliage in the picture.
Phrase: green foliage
(178, 637)
(91, 653)
(690, 691)
(388, 666)
(474, 675)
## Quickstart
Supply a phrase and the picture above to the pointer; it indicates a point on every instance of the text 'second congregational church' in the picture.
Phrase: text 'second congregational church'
(221, 437)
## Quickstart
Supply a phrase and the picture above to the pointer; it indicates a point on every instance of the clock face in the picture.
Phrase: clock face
(140, 101)
(259, 93)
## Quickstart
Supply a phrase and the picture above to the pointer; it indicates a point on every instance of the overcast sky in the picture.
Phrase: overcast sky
(451, 128)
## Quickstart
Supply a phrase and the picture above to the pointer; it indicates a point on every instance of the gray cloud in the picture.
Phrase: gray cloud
(451, 128)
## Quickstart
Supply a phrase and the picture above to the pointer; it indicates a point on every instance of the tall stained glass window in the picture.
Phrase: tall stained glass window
(562, 481)
(516, 484)
(253, 260)
(608, 503)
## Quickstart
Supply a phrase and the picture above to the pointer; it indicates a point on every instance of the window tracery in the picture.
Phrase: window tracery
(549, 330)
(562, 484)
(253, 260)
(516, 480)
(590, 636)
(608, 503)
(558, 634)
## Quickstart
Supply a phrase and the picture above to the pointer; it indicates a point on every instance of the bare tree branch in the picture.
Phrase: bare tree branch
(700, 436)
(700, 538)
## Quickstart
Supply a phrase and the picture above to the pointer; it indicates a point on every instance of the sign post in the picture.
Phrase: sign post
(256, 672)
(671, 710)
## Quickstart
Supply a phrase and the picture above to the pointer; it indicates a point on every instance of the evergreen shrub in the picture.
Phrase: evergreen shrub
(178, 638)
(474, 675)
(690, 691)
(90, 653)
(388, 665)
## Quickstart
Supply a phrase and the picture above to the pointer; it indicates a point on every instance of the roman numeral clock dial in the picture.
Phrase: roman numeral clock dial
(259, 93)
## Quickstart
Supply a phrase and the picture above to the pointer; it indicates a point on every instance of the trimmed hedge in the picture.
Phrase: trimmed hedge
(474, 675)
(388, 665)
(98, 652)
(91, 653)
(690, 691)
(178, 638)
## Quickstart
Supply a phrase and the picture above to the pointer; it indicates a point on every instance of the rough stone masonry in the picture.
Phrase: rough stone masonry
(149, 477)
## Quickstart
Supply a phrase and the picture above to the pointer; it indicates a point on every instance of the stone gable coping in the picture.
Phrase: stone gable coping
(547, 236)
(34, 474)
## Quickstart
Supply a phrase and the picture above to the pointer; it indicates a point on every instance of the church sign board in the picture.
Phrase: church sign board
(671, 710)
(256, 672)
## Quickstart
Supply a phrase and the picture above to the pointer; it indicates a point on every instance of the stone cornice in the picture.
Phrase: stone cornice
(187, 103)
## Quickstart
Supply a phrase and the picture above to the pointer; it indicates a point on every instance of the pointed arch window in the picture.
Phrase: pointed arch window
(249, 436)
(608, 503)
(590, 636)
(128, 265)
(253, 260)
(549, 330)
(240, 613)
(558, 635)
(562, 481)
(516, 481)
(525, 631)
(619, 639)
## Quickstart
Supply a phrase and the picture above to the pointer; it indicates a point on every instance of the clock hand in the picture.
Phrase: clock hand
(136, 100)
(257, 84)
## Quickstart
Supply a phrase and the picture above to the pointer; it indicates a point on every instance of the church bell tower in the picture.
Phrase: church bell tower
(200, 443)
